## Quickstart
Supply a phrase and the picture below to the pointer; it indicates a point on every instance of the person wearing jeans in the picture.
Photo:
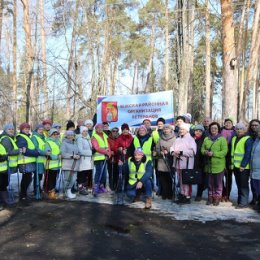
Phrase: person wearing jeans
(241, 147)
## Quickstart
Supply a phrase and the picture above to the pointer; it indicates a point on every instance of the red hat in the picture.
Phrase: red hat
(24, 125)
(98, 125)
(47, 122)
(125, 126)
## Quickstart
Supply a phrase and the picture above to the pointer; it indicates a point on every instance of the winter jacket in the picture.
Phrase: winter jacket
(41, 152)
(28, 167)
(148, 169)
(124, 141)
(113, 147)
(199, 159)
(216, 164)
(187, 145)
(85, 151)
(68, 149)
(11, 151)
(165, 143)
(48, 148)
(255, 161)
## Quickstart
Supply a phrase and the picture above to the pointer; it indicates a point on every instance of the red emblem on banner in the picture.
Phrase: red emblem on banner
(109, 111)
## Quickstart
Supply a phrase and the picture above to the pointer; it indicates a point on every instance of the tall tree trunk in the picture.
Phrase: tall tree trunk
(240, 52)
(148, 85)
(1, 20)
(208, 104)
(166, 45)
(29, 56)
(254, 54)
(14, 81)
(44, 64)
(229, 58)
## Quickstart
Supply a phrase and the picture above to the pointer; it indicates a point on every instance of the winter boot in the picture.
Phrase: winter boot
(210, 201)
(52, 195)
(148, 203)
(70, 195)
(95, 190)
(83, 190)
(216, 201)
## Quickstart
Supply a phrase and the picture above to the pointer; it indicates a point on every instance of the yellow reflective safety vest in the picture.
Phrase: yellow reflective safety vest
(237, 154)
(12, 159)
(155, 136)
(3, 165)
(41, 143)
(22, 159)
(147, 145)
(134, 175)
(102, 143)
(55, 150)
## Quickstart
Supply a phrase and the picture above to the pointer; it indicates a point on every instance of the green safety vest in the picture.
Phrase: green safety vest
(102, 143)
(41, 143)
(12, 159)
(3, 165)
(237, 154)
(55, 150)
(155, 136)
(22, 159)
(134, 175)
(146, 147)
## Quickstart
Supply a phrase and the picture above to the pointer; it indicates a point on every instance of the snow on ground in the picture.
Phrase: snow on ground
(197, 211)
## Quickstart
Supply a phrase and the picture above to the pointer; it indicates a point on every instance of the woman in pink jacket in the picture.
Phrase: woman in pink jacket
(183, 151)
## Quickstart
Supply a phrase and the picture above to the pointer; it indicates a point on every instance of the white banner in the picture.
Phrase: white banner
(133, 109)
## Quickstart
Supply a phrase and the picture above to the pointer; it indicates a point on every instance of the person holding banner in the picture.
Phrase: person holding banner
(101, 154)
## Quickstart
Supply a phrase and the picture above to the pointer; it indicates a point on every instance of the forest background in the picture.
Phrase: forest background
(57, 56)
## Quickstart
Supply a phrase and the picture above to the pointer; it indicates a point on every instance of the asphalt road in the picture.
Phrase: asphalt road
(82, 230)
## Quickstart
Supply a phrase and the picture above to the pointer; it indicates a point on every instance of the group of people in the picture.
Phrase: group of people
(81, 158)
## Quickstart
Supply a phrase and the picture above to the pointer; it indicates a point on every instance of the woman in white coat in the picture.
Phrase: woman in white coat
(84, 177)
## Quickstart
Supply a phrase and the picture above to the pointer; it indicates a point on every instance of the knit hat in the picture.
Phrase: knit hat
(240, 125)
(47, 122)
(180, 117)
(8, 126)
(168, 126)
(125, 126)
(199, 127)
(24, 125)
(89, 122)
(69, 133)
(83, 128)
(188, 117)
(52, 131)
(160, 119)
(185, 126)
(56, 125)
(98, 125)
(115, 128)
(39, 126)
(139, 151)
(142, 127)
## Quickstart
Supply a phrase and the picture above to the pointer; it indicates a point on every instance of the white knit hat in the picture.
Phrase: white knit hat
(89, 121)
(185, 126)
(83, 128)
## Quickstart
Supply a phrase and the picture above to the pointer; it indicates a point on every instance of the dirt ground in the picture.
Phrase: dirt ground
(82, 230)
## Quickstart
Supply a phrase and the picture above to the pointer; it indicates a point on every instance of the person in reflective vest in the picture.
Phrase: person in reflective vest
(47, 123)
(140, 177)
(241, 147)
(144, 140)
(8, 141)
(101, 154)
(53, 163)
(38, 140)
(156, 134)
(26, 159)
(3, 174)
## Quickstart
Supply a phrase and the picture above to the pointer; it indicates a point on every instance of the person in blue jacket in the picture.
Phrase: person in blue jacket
(26, 159)
(140, 173)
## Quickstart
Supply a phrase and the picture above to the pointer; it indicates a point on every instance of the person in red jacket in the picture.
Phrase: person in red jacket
(113, 160)
(123, 143)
